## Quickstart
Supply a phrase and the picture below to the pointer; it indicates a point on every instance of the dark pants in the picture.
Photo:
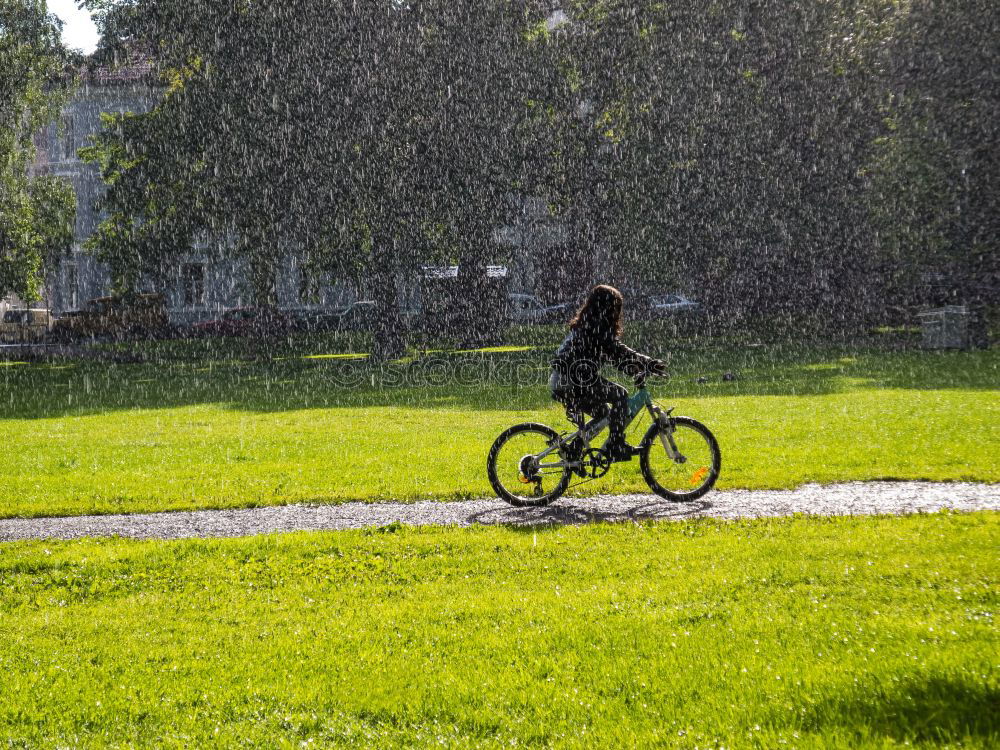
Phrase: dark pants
(594, 400)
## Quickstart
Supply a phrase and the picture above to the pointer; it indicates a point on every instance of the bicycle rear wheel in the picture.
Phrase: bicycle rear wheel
(515, 472)
(692, 472)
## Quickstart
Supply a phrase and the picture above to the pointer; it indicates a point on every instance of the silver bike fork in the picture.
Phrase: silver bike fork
(666, 433)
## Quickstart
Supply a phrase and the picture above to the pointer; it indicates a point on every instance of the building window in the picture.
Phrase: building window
(68, 138)
(71, 285)
(193, 284)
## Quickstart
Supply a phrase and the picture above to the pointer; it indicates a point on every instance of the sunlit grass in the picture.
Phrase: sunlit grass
(348, 355)
(495, 350)
(124, 438)
(859, 632)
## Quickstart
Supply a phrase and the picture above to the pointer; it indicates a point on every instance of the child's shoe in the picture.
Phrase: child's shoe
(618, 449)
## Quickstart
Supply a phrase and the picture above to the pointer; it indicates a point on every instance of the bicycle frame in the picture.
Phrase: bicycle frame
(636, 403)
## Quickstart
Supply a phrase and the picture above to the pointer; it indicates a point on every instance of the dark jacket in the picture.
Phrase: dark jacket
(578, 360)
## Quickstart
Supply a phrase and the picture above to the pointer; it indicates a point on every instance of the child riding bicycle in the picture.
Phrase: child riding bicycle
(593, 340)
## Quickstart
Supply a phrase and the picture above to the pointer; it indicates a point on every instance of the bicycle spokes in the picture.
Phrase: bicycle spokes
(681, 459)
(525, 468)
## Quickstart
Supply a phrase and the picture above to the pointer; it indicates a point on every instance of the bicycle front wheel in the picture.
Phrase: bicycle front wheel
(692, 469)
(518, 475)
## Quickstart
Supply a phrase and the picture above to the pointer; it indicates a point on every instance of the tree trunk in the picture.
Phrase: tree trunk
(263, 281)
(480, 303)
(390, 340)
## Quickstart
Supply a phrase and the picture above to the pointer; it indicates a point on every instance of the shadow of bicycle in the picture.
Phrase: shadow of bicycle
(578, 511)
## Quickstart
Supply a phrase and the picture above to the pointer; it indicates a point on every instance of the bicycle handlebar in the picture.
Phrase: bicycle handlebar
(640, 379)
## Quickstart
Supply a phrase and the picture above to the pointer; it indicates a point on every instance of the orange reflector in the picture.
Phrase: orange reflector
(522, 479)
(699, 475)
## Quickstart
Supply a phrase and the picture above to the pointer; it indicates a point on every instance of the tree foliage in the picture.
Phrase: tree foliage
(724, 146)
(36, 212)
(936, 166)
(779, 161)
(360, 136)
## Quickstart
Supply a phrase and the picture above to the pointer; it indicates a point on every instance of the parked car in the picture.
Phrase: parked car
(358, 316)
(118, 316)
(667, 305)
(25, 325)
(245, 321)
(312, 320)
(527, 309)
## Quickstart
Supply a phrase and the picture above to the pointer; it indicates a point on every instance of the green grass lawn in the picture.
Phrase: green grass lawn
(88, 437)
(848, 632)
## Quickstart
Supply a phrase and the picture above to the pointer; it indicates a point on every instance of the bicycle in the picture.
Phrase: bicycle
(679, 456)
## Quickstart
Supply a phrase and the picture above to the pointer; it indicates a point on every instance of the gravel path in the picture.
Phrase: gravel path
(856, 498)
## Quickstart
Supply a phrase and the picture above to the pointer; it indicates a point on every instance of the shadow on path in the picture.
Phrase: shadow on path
(561, 514)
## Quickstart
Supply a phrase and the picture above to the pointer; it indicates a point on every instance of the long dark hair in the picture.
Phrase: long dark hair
(602, 311)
